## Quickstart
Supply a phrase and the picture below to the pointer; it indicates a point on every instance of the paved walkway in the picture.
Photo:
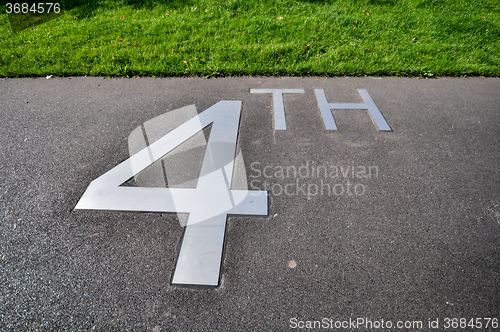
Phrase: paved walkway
(394, 216)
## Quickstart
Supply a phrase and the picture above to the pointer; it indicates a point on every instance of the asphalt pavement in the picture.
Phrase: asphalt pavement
(366, 229)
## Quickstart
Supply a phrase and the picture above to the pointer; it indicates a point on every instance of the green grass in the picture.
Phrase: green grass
(245, 37)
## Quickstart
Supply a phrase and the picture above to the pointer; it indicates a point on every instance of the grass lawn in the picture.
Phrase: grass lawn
(259, 37)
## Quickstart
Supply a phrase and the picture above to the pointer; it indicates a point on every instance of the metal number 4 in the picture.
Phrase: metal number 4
(208, 204)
